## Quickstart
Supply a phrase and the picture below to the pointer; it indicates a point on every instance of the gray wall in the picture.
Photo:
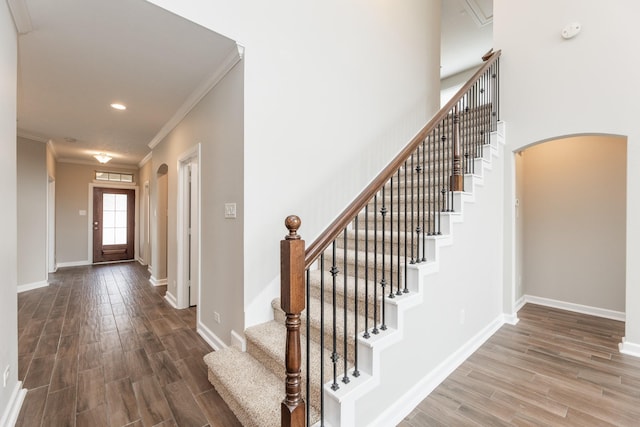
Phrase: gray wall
(217, 123)
(574, 202)
(8, 221)
(32, 212)
(72, 196)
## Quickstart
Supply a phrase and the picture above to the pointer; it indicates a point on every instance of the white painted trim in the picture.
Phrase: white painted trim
(51, 226)
(12, 410)
(140, 261)
(34, 285)
(171, 299)
(577, 308)
(629, 348)
(158, 282)
(73, 264)
(212, 339)
(26, 135)
(145, 159)
(519, 304)
(188, 159)
(232, 58)
(511, 319)
(404, 405)
(124, 166)
(238, 341)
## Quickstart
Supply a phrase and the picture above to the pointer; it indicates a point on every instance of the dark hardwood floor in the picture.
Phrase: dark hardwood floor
(101, 347)
(554, 368)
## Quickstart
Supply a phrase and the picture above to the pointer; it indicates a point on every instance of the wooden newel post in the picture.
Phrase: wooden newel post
(292, 302)
(457, 178)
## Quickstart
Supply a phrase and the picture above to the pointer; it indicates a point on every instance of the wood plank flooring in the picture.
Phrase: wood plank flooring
(554, 368)
(101, 347)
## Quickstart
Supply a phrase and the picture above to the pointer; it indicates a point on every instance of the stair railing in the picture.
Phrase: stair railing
(392, 218)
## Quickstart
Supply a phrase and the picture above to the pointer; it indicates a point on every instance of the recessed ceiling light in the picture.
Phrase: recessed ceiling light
(117, 106)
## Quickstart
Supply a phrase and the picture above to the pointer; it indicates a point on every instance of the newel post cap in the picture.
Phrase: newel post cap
(292, 222)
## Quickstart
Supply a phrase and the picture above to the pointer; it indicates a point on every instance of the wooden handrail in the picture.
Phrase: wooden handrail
(330, 233)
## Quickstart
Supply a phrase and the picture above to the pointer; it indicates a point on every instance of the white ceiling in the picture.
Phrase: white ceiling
(82, 55)
(467, 34)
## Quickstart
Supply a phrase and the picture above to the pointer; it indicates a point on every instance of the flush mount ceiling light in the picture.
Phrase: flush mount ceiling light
(102, 157)
(117, 106)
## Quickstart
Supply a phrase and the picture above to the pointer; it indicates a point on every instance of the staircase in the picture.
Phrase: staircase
(362, 284)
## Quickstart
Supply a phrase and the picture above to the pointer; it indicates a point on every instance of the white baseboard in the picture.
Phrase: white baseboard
(519, 304)
(11, 412)
(157, 282)
(212, 339)
(141, 261)
(577, 308)
(404, 405)
(629, 348)
(73, 264)
(31, 286)
(238, 341)
(171, 299)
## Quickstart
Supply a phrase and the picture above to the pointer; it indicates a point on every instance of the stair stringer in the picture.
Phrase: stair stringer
(342, 405)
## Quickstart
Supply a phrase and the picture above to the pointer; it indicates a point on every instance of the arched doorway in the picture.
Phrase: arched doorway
(571, 224)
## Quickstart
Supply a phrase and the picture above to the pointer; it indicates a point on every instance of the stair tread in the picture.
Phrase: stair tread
(239, 378)
(270, 339)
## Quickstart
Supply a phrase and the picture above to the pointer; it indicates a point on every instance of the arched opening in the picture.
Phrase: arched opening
(571, 224)
(159, 276)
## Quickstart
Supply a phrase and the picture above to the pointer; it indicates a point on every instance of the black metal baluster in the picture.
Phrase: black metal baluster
(398, 281)
(308, 348)
(425, 209)
(334, 353)
(406, 238)
(498, 91)
(413, 260)
(356, 372)
(430, 179)
(345, 329)
(418, 228)
(390, 241)
(375, 264)
(321, 338)
(366, 273)
(383, 282)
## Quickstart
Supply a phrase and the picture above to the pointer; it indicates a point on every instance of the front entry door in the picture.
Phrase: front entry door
(113, 224)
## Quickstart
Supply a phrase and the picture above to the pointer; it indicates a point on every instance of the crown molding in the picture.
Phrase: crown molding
(52, 149)
(33, 137)
(145, 159)
(477, 14)
(123, 166)
(233, 57)
(21, 16)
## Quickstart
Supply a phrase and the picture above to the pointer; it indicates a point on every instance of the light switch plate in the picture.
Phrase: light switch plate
(229, 210)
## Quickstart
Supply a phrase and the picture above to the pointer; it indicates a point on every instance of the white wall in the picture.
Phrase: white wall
(332, 90)
(553, 87)
(461, 302)
(216, 123)
(574, 232)
(8, 220)
(32, 213)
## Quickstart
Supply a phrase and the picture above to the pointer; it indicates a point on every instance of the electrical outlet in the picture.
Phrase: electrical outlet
(216, 316)
(5, 377)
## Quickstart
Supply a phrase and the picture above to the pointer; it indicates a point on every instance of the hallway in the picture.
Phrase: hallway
(101, 347)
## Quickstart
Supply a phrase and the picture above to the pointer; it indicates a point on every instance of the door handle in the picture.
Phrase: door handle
(95, 223)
